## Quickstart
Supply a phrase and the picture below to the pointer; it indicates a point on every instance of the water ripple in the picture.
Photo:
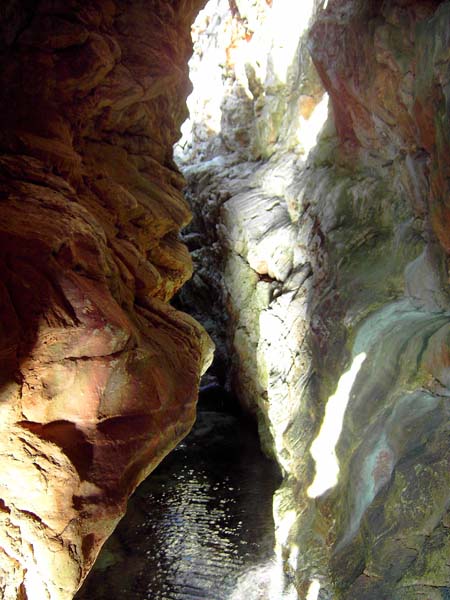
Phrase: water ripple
(199, 523)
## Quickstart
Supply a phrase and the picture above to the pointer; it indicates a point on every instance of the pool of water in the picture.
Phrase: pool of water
(200, 527)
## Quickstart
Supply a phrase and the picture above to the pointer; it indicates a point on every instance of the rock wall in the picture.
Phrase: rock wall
(332, 259)
(99, 375)
(388, 513)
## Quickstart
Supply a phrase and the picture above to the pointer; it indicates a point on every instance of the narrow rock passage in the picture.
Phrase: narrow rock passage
(197, 526)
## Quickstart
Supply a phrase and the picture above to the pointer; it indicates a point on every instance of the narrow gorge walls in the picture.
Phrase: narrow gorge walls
(327, 258)
(319, 178)
(99, 375)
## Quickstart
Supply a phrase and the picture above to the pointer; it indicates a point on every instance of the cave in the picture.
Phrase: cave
(271, 272)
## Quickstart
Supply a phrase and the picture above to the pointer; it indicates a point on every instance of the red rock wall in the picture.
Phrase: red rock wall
(385, 68)
(99, 374)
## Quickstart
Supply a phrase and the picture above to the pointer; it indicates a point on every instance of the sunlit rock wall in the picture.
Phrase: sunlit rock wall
(333, 259)
(256, 96)
(99, 374)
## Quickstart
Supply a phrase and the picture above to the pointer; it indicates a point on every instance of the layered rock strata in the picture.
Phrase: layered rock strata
(99, 375)
(335, 284)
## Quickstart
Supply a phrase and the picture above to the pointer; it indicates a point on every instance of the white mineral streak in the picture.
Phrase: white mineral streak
(313, 591)
(323, 449)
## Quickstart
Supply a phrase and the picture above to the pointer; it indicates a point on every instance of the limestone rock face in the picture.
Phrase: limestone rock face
(334, 281)
(99, 375)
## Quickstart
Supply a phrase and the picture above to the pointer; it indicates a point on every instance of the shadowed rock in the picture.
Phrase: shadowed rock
(99, 375)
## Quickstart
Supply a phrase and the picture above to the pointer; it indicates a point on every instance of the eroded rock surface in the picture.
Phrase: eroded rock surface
(99, 375)
(333, 261)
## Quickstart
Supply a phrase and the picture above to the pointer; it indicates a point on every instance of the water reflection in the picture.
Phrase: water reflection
(200, 527)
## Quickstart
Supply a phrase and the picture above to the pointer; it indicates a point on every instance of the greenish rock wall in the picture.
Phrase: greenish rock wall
(331, 279)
